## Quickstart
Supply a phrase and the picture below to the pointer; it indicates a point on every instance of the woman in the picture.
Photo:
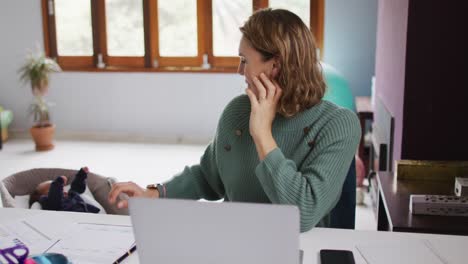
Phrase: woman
(279, 144)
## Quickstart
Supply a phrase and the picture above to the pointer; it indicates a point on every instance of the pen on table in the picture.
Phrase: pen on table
(124, 256)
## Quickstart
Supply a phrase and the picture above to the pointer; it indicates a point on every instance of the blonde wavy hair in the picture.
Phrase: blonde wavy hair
(279, 33)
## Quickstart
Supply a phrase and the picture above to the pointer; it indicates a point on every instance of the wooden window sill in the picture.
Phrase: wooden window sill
(159, 69)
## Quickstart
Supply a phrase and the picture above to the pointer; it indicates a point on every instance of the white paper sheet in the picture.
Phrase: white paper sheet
(94, 243)
(401, 253)
(79, 242)
(451, 253)
(38, 233)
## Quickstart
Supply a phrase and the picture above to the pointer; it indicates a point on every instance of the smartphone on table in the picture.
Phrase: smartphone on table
(333, 256)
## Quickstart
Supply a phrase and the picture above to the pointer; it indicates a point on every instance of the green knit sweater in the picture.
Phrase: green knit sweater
(308, 169)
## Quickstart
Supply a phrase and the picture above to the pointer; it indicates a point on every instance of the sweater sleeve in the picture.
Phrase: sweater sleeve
(199, 181)
(202, 181)
(316, 186)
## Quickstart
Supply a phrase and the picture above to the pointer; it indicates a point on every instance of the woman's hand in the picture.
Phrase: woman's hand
(263, 112)
(132, 190)
(264, 107)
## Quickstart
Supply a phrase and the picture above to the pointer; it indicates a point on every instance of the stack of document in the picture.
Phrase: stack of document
(79, 242)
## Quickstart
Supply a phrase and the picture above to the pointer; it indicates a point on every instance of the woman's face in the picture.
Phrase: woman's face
(251, 65)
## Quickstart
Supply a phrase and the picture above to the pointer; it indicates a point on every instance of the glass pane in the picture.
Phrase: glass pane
(73, 23)
(298, 7)
(124, 22)
(228, 16)
(177, 28)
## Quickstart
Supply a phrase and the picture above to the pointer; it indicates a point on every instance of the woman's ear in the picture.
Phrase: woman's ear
(275, 69)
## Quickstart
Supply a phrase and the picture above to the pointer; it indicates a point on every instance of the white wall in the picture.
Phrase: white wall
(161, 106)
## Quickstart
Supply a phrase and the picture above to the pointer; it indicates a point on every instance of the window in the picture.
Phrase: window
(157, 35)
(228, 16)
(74, 31)
(177, 27)
(124, 27)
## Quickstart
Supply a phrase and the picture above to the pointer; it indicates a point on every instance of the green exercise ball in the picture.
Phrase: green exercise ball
(338, 91)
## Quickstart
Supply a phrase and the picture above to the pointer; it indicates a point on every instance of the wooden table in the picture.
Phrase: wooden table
(393, 207)
(451, 248)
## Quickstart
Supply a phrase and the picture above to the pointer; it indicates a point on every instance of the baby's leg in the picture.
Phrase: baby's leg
(55, 195)
(79, 183)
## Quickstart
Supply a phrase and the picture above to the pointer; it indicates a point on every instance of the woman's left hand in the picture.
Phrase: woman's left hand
(263, 108)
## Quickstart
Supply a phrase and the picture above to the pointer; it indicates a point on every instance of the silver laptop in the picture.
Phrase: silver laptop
(189, 232)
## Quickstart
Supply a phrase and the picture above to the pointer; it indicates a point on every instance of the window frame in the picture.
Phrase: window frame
(152, 57)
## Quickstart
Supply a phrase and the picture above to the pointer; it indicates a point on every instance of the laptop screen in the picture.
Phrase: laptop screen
(180, 231)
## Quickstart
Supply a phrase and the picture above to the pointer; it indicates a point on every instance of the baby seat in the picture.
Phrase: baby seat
(24, 183)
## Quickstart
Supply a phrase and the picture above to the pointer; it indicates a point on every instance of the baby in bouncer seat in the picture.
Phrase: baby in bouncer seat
(51, 194)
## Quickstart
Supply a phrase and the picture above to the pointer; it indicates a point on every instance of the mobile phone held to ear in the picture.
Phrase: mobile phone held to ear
(332, 256)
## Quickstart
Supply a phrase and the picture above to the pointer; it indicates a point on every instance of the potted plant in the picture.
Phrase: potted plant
(36, 70)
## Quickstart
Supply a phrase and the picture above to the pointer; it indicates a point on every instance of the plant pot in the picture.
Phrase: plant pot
(43, 137)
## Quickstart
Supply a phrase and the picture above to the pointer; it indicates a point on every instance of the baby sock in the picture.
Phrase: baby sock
(79, 183)
(55, 195)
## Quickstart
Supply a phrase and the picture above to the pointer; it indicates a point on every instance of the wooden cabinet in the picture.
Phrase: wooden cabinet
(394, 213)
